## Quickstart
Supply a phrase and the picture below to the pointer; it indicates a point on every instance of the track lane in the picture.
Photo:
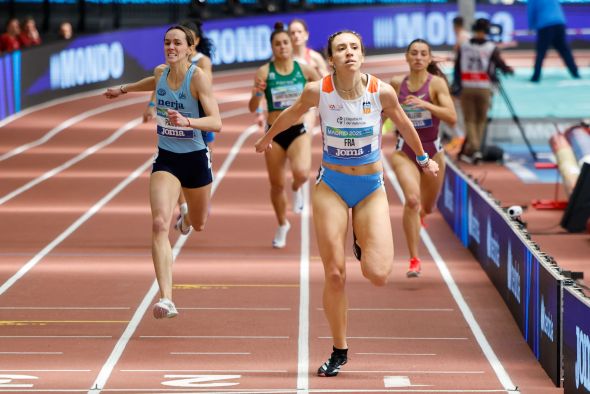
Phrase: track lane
(217, 260)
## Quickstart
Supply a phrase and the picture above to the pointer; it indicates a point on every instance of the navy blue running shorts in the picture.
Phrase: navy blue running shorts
(192, 169)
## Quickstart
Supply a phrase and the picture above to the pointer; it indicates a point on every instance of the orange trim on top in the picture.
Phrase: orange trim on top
(373, 84)
(327, 84)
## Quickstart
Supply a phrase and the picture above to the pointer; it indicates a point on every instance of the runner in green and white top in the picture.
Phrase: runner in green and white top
(281, 81)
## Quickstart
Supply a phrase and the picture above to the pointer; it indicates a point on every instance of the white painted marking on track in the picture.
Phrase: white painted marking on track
(421, 372)
(74, 226)
(409, 338)
(481, 339)
(56, 336)
(81, 156)
(113, 358)
(236, 309)
(396, 381)
(90, 308)
(398, 354)
(401, 309)
(213, 337)
(211, 353)
(303, 332)
(31, 353)
(70, 122)
(209, 370)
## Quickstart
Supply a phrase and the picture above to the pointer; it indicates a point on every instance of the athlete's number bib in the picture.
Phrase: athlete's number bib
(420, 118)
(166, 129)
(348, 143)
(284, 96)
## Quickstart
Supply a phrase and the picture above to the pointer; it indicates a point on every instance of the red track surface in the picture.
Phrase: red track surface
(77, 285)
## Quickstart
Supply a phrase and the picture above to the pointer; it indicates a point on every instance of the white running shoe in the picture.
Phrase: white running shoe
(180, 220)
(298, 200)
(280, 239)
(164, 308)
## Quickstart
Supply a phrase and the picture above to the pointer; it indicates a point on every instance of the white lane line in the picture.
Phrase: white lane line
(209, 370)
(90, 308)
(70, 122)
(45, 370)
(398, 354)
(30, 353)
(408, 338)
(422, 372)
(213, 337)
(235, 309)
(402, 309)
(303, 333)
(81, 156)
(95, 208)
(95, 148)
(74, 226)
(211, 353)
(262, 391)
(481, 339)
(56, 336)
(108, 366)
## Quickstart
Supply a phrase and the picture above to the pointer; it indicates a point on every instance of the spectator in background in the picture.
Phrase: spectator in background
(461, 34)
(475, 73)
(546, 17)
(65, 32)
(29, 35)
(9, 39)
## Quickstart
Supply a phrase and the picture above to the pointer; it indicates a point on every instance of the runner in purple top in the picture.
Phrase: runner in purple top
(424, 96)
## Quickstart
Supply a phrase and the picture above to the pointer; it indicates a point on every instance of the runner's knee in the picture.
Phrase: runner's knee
(413, 202)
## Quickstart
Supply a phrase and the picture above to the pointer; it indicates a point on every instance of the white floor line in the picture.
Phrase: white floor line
(211, 353)
(235, 309)
(56, 336)
(420, 372)
(209, 370)
(45, 370)
(31, 353)
(113, 358)
(397, 354)
(91, 150)
(213, 337)
(81, 156)
(481, 339)
(402, 309)
(82, 308)
(303, 332)
(74, 226)
(407, 338)
(70, 122)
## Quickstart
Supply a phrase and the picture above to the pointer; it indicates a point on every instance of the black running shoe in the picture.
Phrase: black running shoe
(332, 366)
(356, 249)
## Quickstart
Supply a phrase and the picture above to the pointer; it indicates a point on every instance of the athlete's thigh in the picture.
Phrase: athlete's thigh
(430, 184)
(198, 199)
(164, 192)
(330, 217)
(406, 173)
(299, 153)
(275, 164)
(372, 227)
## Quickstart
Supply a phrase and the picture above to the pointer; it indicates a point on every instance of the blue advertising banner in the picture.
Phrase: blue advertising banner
(91, 62)
(530, 288)
(576, 342)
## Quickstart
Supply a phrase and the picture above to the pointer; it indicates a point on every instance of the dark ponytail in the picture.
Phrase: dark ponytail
(279, 27)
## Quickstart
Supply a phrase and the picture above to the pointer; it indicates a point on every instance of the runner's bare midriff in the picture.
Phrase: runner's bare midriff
(364, 169)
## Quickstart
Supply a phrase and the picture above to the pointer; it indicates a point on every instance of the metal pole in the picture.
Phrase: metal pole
(467, 11)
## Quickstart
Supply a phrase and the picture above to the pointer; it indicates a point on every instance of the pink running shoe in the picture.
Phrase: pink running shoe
(414, 270)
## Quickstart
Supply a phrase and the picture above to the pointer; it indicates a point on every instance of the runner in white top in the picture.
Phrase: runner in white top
(351, 175)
